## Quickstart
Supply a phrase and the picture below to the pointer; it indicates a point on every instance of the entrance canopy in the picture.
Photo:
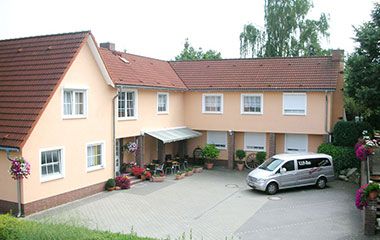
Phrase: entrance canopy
(174, 134)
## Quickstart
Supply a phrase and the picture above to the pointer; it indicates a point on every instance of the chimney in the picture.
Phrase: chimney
(337, 55)
(108, 45)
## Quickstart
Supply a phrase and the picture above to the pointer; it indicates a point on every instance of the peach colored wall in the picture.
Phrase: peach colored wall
(148, 119)
(150, 146)
(280, 143)
(338, 99)
(128, 157)
(8, 184)
(271, 121)
(73, 134)
(314, 141)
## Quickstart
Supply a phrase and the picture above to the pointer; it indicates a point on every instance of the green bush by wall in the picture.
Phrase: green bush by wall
(17, 229)
(346, 133)
(343, 157)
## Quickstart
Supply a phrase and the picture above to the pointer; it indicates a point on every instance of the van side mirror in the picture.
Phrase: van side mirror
(282, 170)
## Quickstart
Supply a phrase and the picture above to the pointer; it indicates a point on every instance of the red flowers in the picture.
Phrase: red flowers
(123, 182)
(137, 171)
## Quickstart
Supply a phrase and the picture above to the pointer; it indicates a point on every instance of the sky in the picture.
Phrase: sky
(158, 28)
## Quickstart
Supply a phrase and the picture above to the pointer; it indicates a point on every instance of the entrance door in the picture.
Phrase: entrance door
(117, 157)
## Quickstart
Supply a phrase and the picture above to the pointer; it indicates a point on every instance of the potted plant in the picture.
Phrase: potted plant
(180, 175)
(123, 182)
(210, 153)
(146, 175)
(110, 184)
(197, 169)
(189, 171)
(158, 178)
(137, 171)
(240, 154)
(365, 193)
(261, 156)
(127, 167)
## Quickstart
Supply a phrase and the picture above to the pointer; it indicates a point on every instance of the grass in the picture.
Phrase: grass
(18, 229)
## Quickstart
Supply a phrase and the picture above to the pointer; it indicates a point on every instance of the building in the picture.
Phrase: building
(68, 107)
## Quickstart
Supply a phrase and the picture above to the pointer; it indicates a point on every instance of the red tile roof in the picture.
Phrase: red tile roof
(30, 70)
(140, 71)
(292, 73)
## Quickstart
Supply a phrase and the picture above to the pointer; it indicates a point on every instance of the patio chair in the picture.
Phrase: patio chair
(159, 168)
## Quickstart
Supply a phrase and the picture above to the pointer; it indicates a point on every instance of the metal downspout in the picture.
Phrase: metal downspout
(8, 150)
(114, 131)
(326, 112)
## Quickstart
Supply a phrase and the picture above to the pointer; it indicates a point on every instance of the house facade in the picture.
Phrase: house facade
(69, 107)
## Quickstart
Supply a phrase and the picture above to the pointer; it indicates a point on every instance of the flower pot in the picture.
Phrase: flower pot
(158, 179)
(179, 177)
(142, 177)
(190, 173)
(240, 166)
(110, 189)
(117, 188)
(209, 165)
(373, 195)
(198, 170)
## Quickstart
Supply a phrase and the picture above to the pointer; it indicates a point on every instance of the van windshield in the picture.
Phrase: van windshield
(271, 164)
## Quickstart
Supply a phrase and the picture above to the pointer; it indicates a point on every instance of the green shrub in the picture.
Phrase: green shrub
(240, 154)
(110, 183)
(17, 229)
(210, 152)
(343, 157)
(261, 156)
(346, 133)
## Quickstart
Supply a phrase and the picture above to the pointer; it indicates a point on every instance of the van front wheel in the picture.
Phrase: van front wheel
(272, 188)
(321, 182)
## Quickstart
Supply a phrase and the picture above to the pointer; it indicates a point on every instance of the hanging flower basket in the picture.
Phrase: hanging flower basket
(20, 168)
(131, 147)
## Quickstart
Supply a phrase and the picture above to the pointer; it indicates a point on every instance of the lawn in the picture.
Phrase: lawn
(18, 229)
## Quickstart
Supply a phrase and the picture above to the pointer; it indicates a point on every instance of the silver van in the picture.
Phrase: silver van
(292, 170)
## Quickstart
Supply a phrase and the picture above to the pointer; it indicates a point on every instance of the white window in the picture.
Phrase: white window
(212, 103)
(51, 164)
(162, 102)
(219, 139)
(296, 143)
(127, 104)
(294, 103)
(74, 103)
(95, 156)
(251, 104)
(254, 142)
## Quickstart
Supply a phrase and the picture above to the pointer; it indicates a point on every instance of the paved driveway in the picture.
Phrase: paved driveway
(214, 205)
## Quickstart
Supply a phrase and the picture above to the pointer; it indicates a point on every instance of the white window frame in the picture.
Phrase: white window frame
(285, 143)
(103, 157)
(85, 103)
(211, 142)
(212, 95)
(254, 149)
(167, 102)
(52, 177)
(292, 94)
(135, 117)
(252, 95)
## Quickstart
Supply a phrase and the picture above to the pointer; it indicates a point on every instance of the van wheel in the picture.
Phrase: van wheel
(321, 182)
(272, 188)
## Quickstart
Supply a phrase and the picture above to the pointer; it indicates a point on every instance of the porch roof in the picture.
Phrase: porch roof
(174, 134)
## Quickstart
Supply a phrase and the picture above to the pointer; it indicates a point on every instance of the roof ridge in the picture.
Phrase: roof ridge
(137, 55)
(47, 35)
(247, 59)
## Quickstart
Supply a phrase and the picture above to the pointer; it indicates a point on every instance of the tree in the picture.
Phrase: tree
(363, 69)
(287, 31)
(189, 53)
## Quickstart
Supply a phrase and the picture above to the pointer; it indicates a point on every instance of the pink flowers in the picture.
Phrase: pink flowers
(123, 182)
(361, 153)
(20, 168)
(360, 200)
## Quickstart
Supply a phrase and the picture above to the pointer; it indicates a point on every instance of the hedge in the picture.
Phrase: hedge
(346, 133)
(343, 157)
(17, 229)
